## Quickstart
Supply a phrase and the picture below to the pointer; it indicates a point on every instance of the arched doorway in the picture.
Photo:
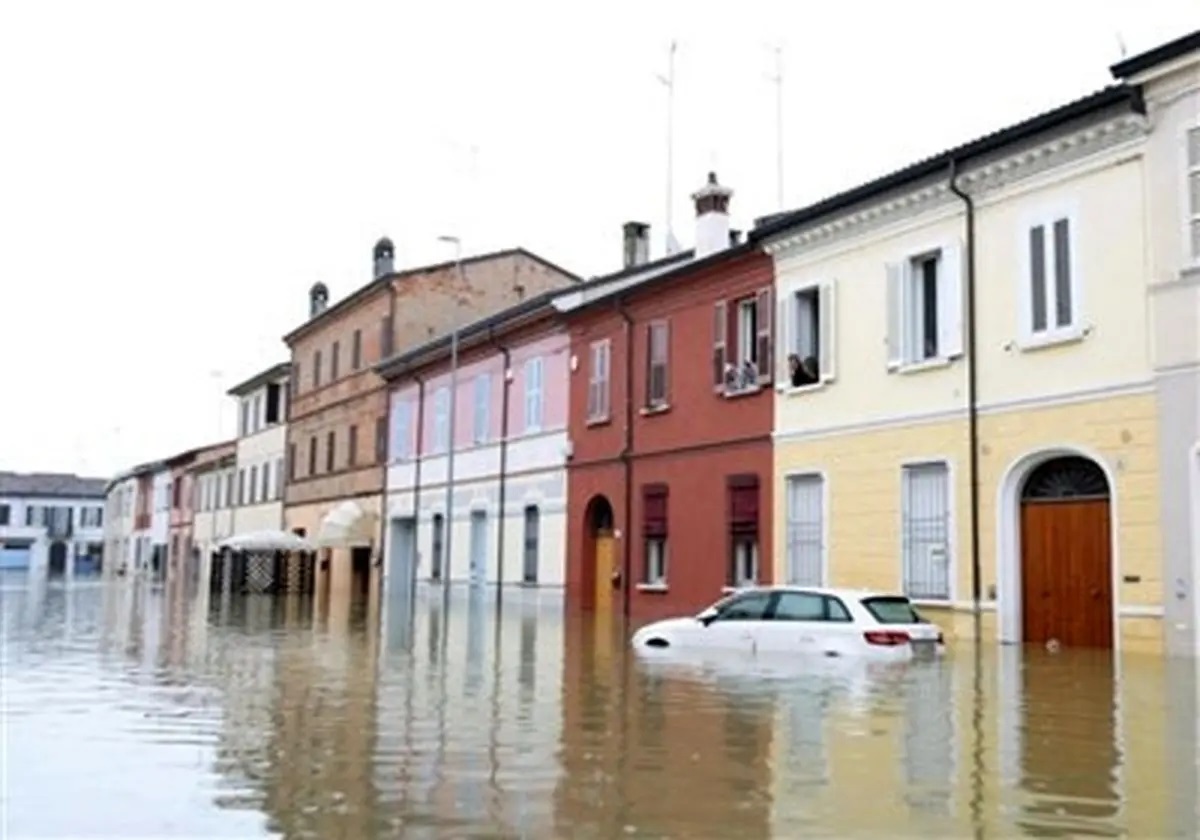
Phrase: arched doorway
(600, 554)
(58, 559)
(1066, 554)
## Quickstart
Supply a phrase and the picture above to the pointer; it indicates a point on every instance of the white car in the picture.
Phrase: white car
(791, 619)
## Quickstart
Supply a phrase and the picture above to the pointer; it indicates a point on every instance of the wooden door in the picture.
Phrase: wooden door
(605, 558)
(1066, 572)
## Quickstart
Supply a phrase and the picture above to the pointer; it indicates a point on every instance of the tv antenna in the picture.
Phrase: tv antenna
(669, 82)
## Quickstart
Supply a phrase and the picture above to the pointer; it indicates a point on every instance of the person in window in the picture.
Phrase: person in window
(803, 373)
(795, 374)
(811, 371)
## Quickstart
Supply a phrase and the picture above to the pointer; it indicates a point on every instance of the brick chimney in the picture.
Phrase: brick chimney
(318, 299)
(712, 217)
(636, 237)
(385, 254)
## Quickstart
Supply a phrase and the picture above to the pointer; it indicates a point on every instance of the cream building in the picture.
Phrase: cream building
(261, 444)
(214, 479)
(1074, 423)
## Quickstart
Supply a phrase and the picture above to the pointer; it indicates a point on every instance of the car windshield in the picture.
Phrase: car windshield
(892, 610)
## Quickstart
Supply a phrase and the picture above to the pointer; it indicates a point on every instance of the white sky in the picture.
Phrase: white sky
(174, 176)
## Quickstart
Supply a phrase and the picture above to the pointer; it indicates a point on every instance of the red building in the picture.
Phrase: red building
(670, 478)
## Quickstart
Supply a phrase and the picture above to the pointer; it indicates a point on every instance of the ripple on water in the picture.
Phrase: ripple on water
(153, 716)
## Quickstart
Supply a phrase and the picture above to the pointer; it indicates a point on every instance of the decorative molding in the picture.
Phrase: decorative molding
(978, 181)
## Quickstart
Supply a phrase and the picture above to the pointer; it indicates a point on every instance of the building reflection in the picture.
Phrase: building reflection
(657, 750)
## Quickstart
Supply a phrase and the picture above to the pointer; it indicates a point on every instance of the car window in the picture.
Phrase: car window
(809, 606)
(892, 610)
(749, 607)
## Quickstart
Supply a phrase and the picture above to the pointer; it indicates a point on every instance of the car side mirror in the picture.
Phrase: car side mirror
(708, 616)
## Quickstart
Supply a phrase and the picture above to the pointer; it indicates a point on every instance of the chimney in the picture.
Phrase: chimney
(735, 238)
(637, 243)
(385, 254)
(318, 299)
(712, 217)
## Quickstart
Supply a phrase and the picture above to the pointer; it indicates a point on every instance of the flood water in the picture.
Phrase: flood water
(133, 711)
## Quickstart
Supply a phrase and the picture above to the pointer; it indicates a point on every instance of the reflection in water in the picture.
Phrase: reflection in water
(156, 712)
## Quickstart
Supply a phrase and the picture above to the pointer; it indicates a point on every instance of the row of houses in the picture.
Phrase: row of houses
(51, 524)
(975, 380)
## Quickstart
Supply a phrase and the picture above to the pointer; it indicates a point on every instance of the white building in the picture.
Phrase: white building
(51, 524)
(160, 520)
(509, 479)
(120, 494)
(261, 444)
(214, 483)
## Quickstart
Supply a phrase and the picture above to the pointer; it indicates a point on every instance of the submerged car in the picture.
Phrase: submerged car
(790, 619)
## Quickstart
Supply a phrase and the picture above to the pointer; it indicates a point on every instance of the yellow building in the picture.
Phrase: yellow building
(1078, 422)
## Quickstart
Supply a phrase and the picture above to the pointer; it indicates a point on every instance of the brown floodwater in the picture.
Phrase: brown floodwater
(132, 711)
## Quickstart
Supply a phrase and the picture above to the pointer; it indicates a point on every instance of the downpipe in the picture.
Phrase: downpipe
(627, 463)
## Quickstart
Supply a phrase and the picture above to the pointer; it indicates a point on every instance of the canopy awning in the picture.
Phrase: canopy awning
(346, 525)
(266, 541)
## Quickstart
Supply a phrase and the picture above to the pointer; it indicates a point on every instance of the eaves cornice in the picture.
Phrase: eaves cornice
(979, 180)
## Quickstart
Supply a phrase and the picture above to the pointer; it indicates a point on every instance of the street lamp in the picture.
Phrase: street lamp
(449, 541)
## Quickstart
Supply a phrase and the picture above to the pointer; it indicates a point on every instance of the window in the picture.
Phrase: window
(352, 447)
(244, 422)
(252, 489)
(657, 346)
(533, 519)
(386, 335)
(441, 420)
(381, 439)
(316, 374)
(274, 403)
(264, 492)
(1050, 285)
(312, 455)
(335, 353)
(533, 394)
(892, 610)
(356, 351)
(742, 340)
(176, 492)
(241, 497)
(33, 515)
(256, 416)
(924, 299)
(330, 450)
(654, 533)
(600, 361)
(482, 406)
(925, 531)
(809, 606)
(439, 526)
(291, 461)
(752, 606)
(294, 382)
(279, 474)
(806, 530)
(5, 514)
(1193, 189)
(402, 430)
(743, 530)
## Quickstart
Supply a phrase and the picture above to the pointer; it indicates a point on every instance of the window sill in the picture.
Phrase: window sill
(651, 410)
(936, 363)
(733, 394)
(598, 421)
(1055, 338)
(797, 390)
(654, 588)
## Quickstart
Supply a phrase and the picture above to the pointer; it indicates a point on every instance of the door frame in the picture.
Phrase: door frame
(477, 515)
(1008, 540)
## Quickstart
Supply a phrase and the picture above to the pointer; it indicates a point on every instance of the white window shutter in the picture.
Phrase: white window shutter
(1024, 282)
(828, 331)
(950, 302)
(784, 325)
(895, 315)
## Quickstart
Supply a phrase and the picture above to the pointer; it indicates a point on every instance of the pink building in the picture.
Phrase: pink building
(510, 452)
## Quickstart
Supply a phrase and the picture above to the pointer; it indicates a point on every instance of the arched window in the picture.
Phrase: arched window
(1069, 477)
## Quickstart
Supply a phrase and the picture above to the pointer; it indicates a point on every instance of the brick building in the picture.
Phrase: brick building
(338, 424)
(671, 400)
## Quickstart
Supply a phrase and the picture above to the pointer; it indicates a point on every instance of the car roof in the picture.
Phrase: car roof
(840, 592)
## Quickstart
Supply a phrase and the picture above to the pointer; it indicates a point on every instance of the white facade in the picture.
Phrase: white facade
(518, 541)
(261, 445)
(160, 516)
(52, 533)
(118, 524)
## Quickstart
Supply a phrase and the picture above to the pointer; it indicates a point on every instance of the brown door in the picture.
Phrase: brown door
(1066, 572)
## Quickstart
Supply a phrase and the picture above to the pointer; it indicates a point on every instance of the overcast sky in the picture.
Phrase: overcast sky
(175, 175)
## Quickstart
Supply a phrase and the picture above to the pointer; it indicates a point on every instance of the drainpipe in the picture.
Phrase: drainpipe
(972, 398)
(418, 457)
(503, 501)
(387, 431)
(627, 461)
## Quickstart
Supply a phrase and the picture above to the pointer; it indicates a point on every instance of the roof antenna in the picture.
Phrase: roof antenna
(669, 81)
(1121, 45)
(777, 79)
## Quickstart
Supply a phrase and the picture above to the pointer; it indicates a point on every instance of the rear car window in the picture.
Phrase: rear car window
(893, 610)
